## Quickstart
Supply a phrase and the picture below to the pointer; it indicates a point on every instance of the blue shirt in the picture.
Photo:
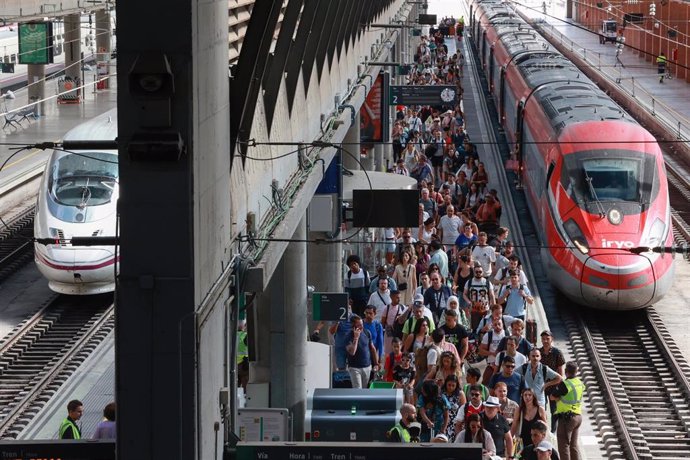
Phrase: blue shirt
(463, 241)
(515, 303)
(376, 330)
(537, 382)
(513, 383)
(434, 410)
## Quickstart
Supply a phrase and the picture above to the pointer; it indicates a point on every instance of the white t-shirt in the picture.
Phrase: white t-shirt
(495, 340)
(451, 228)
(379, 300)
(432, 356)
(485, 255)
(519, 358)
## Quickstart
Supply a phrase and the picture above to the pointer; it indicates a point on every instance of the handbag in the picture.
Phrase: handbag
(402, 286)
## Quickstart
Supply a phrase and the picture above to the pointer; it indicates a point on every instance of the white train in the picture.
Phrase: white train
(78, 197)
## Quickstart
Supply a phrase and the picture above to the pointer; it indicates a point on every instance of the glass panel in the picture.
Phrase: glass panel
(610, 177)
(81, 180)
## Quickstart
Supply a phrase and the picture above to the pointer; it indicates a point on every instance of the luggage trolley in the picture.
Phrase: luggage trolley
(68, 90)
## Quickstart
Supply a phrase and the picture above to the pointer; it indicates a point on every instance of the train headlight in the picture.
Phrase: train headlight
(656, 234)
(615, 216)
(576, 236)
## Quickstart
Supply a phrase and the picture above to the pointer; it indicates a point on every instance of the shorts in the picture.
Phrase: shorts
(437, 162)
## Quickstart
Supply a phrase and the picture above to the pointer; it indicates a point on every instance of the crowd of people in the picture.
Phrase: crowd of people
(444, 317)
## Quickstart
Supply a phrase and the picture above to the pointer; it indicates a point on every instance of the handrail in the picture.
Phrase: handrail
(668, 116)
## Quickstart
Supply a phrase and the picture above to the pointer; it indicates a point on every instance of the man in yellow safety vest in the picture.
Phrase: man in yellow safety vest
(68, 427)
(569, 413)
(661, 66)
(400, 433)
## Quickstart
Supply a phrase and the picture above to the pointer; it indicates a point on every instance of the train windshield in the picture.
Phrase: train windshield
(84, 179)
(601, 178)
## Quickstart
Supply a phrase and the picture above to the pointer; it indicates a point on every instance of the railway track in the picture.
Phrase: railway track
(638, 383)
(41, 353)
(16, 245)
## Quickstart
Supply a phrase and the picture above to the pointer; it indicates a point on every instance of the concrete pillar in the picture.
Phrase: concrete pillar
(368, 160)
(103, 47)
(289, 346)
(325, 265)
(36, 75)
(72, 46)
(171, 358)
(379, 161)
(351, 147)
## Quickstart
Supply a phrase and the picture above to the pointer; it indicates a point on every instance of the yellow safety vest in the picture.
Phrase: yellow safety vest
(571, 402)
(402, 432)
(67, 423)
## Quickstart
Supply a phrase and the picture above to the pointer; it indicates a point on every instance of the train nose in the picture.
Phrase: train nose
(618, 281)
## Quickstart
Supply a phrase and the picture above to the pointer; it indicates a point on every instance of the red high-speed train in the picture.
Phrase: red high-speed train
(594, 178)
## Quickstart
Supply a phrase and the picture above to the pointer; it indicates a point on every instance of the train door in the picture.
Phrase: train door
(481, 49)
(491, 71)
(501, 96)
(518, 125)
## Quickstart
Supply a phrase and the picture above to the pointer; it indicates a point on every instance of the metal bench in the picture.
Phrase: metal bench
(26, 113)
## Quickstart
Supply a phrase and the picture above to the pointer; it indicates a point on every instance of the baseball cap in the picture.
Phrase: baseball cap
(543, 446)
(546, 332)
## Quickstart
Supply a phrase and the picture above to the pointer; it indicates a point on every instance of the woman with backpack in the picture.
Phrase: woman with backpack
(433, 411)
(419, 337)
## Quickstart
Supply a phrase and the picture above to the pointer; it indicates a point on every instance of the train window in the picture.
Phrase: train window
(610, 177)
(87, 179)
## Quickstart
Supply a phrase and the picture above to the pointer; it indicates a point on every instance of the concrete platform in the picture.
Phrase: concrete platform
(54, 121)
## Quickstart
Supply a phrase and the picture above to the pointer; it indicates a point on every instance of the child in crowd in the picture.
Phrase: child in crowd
(404, 377)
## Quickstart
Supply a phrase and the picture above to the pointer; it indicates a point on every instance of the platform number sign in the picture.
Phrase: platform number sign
(329, 306)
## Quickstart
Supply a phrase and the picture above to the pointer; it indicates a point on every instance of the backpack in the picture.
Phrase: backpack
(396, 330)
(420, 363)
(367, 282)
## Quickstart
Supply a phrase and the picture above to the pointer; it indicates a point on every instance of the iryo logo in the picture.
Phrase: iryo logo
(616, 244)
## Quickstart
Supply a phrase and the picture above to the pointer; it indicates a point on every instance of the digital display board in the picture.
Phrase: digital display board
(357, 451)
(385, 208)
(36, 43)
(423, 95)
(58, 449)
